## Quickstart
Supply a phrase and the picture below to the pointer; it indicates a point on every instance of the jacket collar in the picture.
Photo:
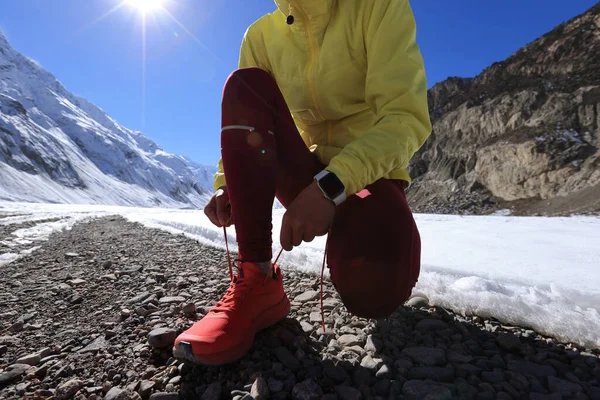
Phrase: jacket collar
(316, 12)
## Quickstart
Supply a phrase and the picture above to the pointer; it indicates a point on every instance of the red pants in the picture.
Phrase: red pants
(374, 246)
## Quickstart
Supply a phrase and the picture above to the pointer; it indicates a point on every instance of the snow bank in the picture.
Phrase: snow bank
(534, 272)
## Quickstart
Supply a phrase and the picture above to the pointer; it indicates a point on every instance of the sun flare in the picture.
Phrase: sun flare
(146, 6)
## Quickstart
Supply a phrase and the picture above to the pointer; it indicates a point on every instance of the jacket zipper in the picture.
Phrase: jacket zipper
(310, 70)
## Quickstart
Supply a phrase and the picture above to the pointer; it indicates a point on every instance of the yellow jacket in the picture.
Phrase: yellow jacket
(353, 77)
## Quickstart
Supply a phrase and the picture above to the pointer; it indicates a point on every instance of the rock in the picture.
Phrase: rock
(349, 340)
(99, 344)
(348, 393)
(189, 308)
(495, 376)
(315, 316)
(455, 357)
(175, 396)
(565, 388)
(260, 389)
(418, 302)
(14, 372)
(425, 355)
(333, 371)
(125, 313)
(172, 300)
(109, 277)
(138, 299)
(68, 389)
(383, 372)
(530, 368)
(373, 344)
(31, 359)
(213, 392)
(145, 389)
(306, 296)
(71, 255)
(17, 326)
(3, 350)
(306, 327)
(370, 363)
(439, 374)
(77, 282)
(287, 358)
(508, 342)
(540, 396)
(307, 390)
(162, 338)
(275, 385)
(425, 390)
(431, 325)
(128, 395)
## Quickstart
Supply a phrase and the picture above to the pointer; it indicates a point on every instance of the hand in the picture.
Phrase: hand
(310, 214)
(218, 209)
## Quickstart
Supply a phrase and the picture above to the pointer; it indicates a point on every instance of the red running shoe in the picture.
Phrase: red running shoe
(252, 302)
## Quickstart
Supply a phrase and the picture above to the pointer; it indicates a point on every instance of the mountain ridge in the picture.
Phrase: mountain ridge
(523, 135)
(58, 147)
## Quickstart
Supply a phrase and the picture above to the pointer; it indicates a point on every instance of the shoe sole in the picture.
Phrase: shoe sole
(183, 351)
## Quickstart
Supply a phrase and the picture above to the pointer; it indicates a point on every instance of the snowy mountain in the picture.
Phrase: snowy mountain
(59, 148)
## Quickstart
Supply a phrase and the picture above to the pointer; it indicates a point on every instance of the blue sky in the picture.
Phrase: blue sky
(179, 106)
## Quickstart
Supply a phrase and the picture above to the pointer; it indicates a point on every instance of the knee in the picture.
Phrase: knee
(374, 302)
(248, 78)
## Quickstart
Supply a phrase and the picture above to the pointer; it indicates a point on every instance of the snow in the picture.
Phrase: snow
(56, 147)
(535, 272)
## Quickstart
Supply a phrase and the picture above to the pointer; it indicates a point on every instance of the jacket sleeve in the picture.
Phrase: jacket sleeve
(396, 92)
(250, 56)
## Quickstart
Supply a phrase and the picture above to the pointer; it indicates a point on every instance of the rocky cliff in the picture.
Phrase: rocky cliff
(523, 135)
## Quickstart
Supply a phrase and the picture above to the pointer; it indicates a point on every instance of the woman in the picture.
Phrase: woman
(353, 77)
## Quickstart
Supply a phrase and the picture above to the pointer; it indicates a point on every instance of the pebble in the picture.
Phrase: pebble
(307, 390)
(68, 389)
(161, 338)
(530, 368)
(14, 372)
(508, 342)
(418, 302)
(306, 296)
(370, 363)
(425, 355)
(172, 300)
(189, 308)
(348, 393)
(431, 325)
(287, 358)
(349, 340)
(422, 390)
(260, 389)
(175, 396)
(213, 392)
(30, 359)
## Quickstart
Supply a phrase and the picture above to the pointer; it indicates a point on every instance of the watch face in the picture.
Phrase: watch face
(331, 185)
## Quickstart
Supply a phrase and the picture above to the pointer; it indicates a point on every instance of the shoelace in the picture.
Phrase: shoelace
(230, 292)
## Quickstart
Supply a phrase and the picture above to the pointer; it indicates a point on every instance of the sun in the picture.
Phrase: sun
(146, 6)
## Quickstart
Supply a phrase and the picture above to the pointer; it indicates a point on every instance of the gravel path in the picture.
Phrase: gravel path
(86, 316)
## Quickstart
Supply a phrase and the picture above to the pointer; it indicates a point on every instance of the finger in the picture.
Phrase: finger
(223, 209)
(285, 237)
(309, 235)
(211, 213)
(297, 233)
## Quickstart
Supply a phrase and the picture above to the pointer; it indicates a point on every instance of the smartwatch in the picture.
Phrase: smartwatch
(331, 186)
